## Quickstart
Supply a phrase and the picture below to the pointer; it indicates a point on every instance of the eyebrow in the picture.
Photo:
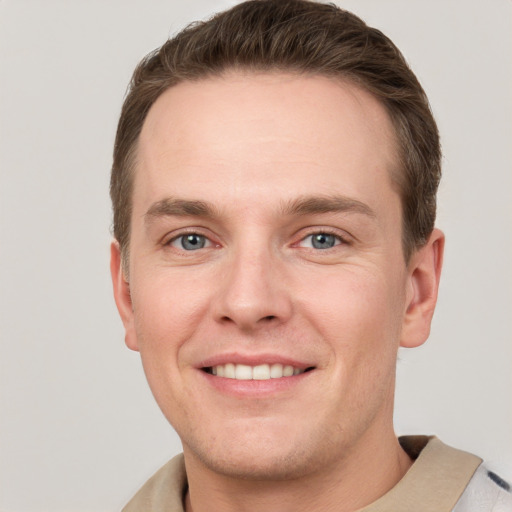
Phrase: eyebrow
(310, 205)
(180, 208)
(305, 205)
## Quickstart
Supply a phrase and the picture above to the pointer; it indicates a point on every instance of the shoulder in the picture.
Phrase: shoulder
(463, 474)
(485, 492)
(443, 478)
(163, 491)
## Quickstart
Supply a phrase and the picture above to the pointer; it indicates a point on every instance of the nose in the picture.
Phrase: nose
(253, 292)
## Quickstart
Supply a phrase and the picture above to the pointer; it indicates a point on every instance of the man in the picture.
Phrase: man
(274, 184)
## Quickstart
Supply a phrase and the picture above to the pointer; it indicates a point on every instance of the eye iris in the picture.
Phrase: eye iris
(323, 241)
(192, 242)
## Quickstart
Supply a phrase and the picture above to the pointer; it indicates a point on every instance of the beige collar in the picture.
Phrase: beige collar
(433, 484)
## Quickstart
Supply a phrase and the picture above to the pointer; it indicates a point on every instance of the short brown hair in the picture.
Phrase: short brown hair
(299, 36)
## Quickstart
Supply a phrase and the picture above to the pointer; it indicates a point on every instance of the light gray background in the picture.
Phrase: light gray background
(79, 428)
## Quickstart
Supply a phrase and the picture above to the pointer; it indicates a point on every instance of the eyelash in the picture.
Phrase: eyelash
(188, 233)
(339, 240)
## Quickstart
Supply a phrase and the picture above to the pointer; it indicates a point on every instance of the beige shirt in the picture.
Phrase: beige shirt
(434, 483)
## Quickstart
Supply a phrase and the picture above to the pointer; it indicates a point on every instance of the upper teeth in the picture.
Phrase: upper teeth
(260, 372)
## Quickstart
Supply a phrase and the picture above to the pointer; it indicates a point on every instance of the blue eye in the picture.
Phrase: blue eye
(190, 242)
(321, 241)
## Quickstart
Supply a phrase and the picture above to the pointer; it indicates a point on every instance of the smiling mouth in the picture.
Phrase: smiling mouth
(259, 372)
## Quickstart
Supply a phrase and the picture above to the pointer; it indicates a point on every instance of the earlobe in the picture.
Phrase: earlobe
(423, 284)
(122, 295)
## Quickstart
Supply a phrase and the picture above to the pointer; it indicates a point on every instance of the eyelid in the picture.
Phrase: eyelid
(341, 236)
(192, 230)
(176, 239)
(337, 242)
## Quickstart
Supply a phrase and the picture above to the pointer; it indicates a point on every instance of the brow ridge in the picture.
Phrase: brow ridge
(301, 206)
(181, 208)
(310, 205)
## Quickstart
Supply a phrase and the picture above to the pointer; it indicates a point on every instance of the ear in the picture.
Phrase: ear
(122, 295)
(424, 271)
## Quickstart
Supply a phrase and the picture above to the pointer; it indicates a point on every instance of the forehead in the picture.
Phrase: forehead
(262, 129)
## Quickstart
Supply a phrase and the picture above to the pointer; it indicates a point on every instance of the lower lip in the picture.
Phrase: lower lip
(254, 388)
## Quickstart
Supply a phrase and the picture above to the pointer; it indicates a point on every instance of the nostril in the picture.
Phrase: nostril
(246, 321)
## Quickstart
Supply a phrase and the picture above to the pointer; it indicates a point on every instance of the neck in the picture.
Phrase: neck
(361, 477)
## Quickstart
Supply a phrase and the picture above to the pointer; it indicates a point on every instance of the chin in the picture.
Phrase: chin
(254, 456)
(268, 466)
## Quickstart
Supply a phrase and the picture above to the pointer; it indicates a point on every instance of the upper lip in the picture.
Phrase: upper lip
(253, 360)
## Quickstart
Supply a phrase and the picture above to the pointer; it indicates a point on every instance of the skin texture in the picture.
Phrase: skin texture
(276, 158)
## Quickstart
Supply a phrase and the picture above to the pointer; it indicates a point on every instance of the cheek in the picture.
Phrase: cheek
(358, 315)
(356, 300)
(167, 312)
(168, 305)
(163, 323)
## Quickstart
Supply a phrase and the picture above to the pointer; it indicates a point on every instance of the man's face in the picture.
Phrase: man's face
(266, 240)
